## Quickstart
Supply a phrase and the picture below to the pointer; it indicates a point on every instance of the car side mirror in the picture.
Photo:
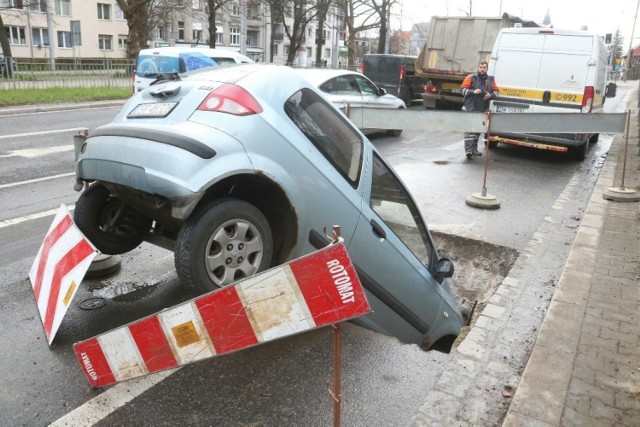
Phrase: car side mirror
(382, 91)
(444, 269)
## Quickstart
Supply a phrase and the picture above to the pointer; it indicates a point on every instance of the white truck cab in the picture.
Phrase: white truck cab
(549, 70)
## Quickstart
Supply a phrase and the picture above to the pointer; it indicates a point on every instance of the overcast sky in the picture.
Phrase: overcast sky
(601, 16)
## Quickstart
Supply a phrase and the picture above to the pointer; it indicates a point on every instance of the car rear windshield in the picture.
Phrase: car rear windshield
(152, 65)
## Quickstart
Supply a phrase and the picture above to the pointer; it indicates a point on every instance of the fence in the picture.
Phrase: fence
(66, 74)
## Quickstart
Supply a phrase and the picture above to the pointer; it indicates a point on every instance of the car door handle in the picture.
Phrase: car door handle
(378, 230)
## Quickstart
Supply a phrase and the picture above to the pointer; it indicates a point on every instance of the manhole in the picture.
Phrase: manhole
(92, 303)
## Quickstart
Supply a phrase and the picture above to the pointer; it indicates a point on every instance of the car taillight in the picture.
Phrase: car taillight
(402, 71)
(231, 99)
(587, 99)
(362, 67)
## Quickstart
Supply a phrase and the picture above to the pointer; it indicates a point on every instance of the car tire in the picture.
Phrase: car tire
(95, 210)
(394, 132)
(222, 242)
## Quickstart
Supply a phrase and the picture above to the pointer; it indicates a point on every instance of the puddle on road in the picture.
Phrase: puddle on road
(480, 267)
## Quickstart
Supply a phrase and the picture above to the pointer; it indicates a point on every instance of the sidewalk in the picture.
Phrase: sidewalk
(39, 108)
(577, 362)
(585, 365)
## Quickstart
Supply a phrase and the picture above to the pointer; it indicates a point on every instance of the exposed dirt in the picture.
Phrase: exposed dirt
(480, 267)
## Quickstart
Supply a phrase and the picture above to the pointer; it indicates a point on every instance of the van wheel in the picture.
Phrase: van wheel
(222, 242)
(580, 152)
(394, 132)
(408, 100)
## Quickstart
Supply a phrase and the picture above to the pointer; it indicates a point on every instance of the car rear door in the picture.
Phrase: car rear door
(392, 252)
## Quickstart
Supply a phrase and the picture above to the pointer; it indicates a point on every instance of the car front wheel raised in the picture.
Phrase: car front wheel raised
(224, 241)
(107, 222)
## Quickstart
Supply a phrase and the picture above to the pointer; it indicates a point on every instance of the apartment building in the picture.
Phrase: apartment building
(85, 29)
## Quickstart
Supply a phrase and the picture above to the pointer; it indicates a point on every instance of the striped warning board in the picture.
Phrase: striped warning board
(313, 291)
(56, 273)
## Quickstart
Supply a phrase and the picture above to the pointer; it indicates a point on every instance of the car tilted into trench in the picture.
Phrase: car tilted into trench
(238, 169)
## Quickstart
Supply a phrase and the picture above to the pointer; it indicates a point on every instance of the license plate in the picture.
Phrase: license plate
(509, 109)
(159, 109)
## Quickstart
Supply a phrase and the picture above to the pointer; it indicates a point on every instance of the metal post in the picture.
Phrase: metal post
(626, 143)
(487, 137)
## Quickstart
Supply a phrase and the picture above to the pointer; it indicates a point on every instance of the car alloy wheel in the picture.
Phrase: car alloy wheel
(224, 241)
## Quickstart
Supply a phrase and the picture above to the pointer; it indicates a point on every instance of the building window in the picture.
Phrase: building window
(309, 52)
(16, 35)
(104, 11)
(122, 42)
(38, 5)
(326, 34)
(286, 50)
(252, 38)
(104, 42)
(64, 39)
(39, 37)
(195, 4)
(63, 8)
(180, 30)
(14, 4)
(327, 53)
(235, 8)
(160, 33)
(234, 33)
(219, 38)
(275, 49)
(197, 35)
(119, 13)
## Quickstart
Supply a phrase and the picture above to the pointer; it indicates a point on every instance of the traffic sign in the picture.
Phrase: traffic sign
(318, 289)
(61, 263)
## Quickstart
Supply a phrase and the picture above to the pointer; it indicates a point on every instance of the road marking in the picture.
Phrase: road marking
(38, 152)
(14, 221)
(45, 132)
(116, 397)
(32, 181)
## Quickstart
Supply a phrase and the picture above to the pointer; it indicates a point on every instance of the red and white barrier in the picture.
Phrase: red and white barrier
(313, 291)
(56, 273)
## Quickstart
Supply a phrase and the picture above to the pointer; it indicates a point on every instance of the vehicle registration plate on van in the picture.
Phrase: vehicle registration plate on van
(160, 109)
(509, 109)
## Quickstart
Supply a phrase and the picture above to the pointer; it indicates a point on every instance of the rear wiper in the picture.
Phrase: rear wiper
(165, 77)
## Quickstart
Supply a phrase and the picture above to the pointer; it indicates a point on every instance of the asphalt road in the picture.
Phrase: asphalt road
(284, 382)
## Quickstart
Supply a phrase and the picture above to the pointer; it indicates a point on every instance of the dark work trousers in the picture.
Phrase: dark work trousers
(471, 142)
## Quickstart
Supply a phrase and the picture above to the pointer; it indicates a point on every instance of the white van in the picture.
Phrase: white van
(161, 60)
(549, 70)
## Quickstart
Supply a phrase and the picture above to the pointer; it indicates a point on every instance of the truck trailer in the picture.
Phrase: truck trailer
(453, 50)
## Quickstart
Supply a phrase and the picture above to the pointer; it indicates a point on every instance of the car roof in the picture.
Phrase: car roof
(317, 76)
(204, 50)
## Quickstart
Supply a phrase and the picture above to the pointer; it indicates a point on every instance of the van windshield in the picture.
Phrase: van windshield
(152, 65)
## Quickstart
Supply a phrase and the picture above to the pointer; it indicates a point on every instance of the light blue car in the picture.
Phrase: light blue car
(240, 169)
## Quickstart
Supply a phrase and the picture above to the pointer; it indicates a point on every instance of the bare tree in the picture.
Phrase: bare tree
(383, 9)
(214, 6)
(301, 12)
(137, 13)
(362, 13)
